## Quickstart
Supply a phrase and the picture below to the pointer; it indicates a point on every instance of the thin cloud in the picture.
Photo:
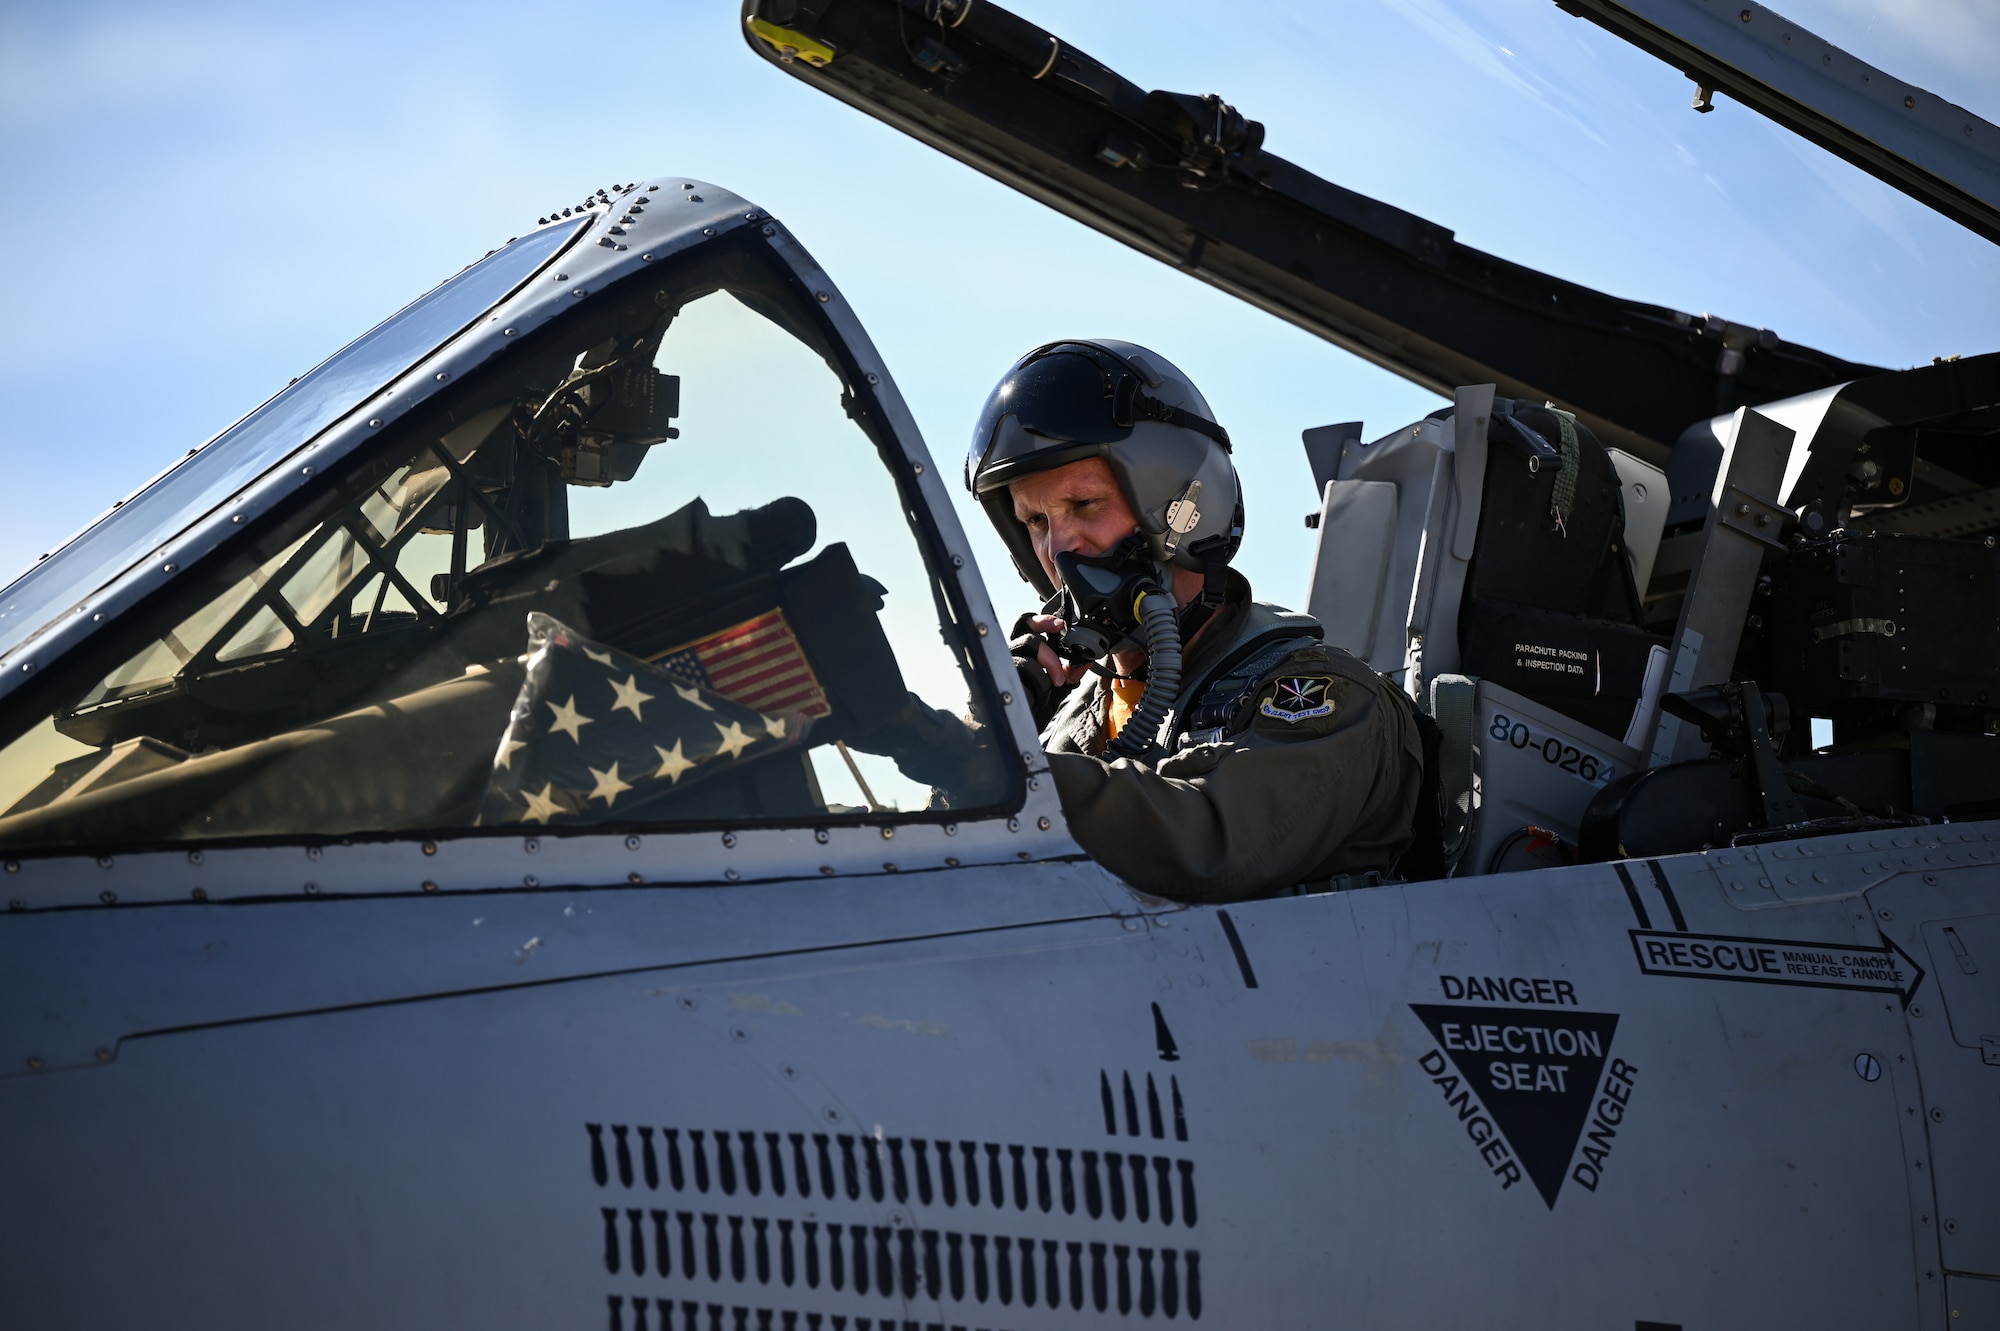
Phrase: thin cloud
(1490, 56)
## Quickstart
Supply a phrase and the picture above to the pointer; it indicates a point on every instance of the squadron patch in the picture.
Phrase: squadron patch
(1299, 698)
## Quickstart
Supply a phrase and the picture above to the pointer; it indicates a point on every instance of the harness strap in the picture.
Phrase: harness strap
(1562, 497)
(1454, 701)
(1236, 675)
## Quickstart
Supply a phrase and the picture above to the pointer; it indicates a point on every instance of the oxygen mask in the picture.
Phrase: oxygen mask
(1116, 602)
(1099, 599)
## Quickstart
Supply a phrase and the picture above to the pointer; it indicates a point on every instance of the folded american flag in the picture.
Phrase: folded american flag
(595, 733)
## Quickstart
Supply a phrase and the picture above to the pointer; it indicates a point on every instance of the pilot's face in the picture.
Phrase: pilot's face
(1077, 507)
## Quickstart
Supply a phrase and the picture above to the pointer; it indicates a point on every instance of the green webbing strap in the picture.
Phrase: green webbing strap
(1453, 707)
(1231, 678)
(1563, 499)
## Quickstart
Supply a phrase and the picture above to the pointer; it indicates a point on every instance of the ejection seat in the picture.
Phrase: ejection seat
(1491, 558)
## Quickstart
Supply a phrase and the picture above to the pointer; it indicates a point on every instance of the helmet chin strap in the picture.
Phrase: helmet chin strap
(1196, 614)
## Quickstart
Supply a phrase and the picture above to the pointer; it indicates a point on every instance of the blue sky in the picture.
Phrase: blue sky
(207, 198)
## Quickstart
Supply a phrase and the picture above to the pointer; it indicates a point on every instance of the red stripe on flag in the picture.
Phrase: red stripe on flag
(783, 656)
(759, 663)
(789, 680)
(767, 678)
(749, 644)
(794, 700)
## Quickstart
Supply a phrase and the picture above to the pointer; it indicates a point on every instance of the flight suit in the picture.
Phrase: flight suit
(1288, 763)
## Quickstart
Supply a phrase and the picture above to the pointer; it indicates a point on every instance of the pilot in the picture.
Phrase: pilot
(1221, 751)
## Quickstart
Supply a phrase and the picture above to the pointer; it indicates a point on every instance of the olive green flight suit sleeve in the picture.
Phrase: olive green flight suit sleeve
(1321, 777)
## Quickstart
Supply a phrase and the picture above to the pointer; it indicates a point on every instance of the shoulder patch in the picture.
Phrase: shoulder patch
(1299, 698)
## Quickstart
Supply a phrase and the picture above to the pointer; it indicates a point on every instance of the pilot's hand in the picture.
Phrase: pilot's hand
(1060, 672)
(1045, 676)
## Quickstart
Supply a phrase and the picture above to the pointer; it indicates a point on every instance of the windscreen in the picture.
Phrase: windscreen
(250, 447)
(647, 568)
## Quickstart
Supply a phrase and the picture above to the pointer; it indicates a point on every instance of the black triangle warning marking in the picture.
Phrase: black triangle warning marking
(1534, 1069)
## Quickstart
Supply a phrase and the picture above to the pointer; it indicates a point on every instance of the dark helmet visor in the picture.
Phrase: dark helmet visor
(1070, 397)
(1066, 398)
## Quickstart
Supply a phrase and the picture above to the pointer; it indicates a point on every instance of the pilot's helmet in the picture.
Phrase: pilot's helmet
(1068, 401)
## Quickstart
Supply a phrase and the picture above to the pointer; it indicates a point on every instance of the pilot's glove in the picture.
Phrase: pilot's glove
(951, 754)
(1043, 694)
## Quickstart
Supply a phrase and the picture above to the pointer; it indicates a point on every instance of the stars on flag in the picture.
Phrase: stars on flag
(630, 697)
(673, 763)
(568, 720)
(609, 787)
(733, 741)
(542, 806)
(645, 740)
